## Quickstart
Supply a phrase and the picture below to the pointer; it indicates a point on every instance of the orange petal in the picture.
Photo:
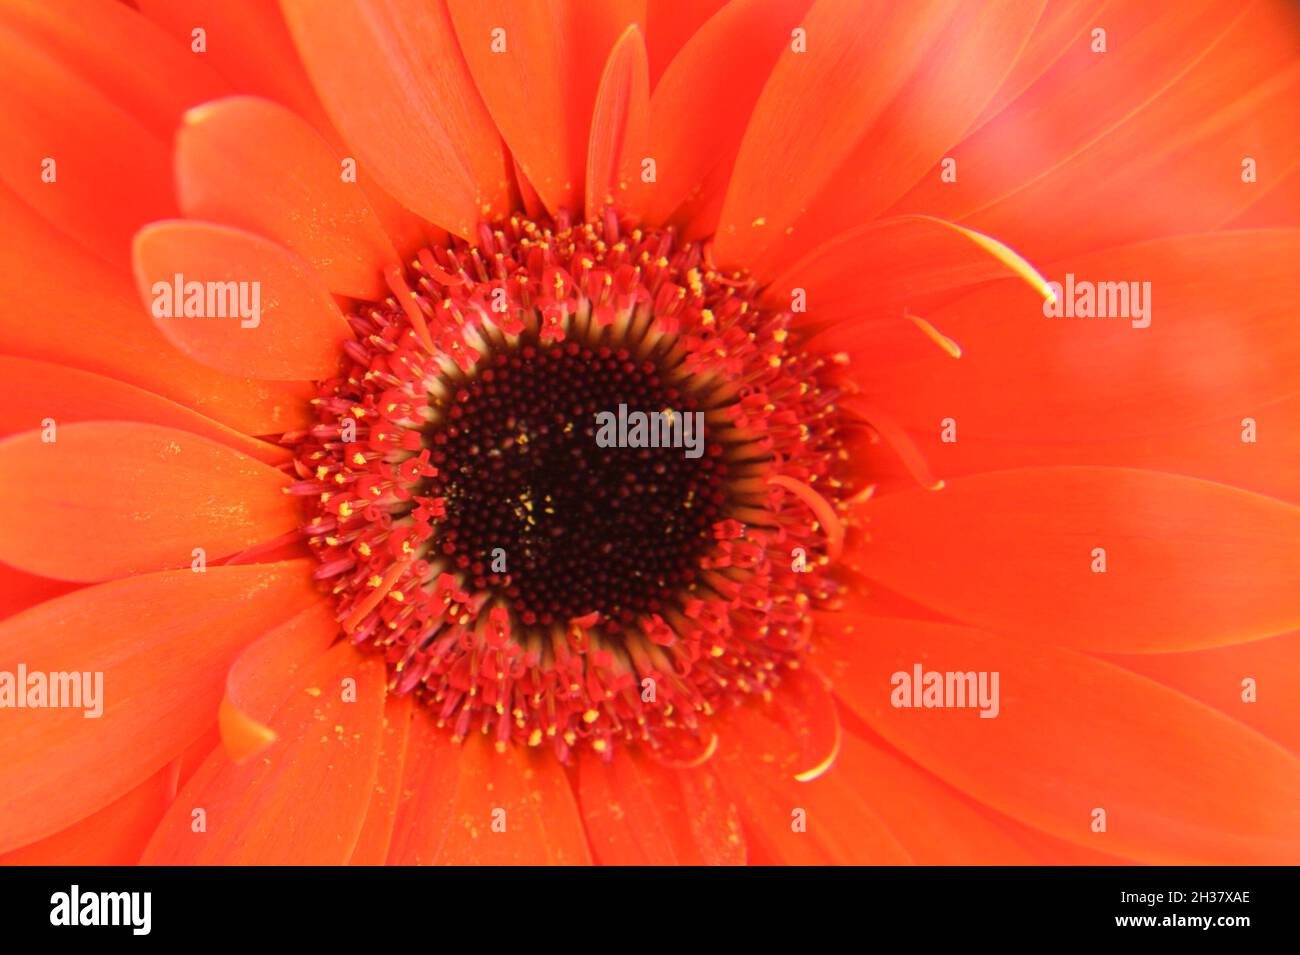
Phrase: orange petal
(1179, 782)
(1217, 349)
(99, 196)
(844, 128)
(255, 683)
(935, 824)
(1276, 204)
(104, 329)
(248, 43)
(1079, 99)
(381, 814)
(1217, 677)
(964, 57)
(700, 108)
(453, 793)
(618, 124)
(1060, 27)
(111, 498)
(1213, 451)
(287, 326)
(860, 285)
(19, 590)
(540, 89)
(1177, 165)
(114, 835)
(162, 643)
(428, 786)
(302, 800)
(512, 808)
(397, 87)
(35, 390)
(1187, 563)
(121, 54)
(640, 812)
(758, 760)
(253, 164)
(669, 25)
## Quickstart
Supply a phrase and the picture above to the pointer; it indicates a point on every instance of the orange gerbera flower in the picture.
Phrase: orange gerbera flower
(622, 431)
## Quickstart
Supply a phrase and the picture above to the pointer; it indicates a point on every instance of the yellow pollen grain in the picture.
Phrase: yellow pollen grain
(535, 738)
(312, 691)
(374, 581)
(590, 716)
(363, 549)
(358, 458)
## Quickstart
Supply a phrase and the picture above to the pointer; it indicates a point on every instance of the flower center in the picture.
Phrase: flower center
(575, 485)
(540, 513)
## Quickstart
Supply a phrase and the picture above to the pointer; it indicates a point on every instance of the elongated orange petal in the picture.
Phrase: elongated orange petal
(618, 124)
(255, 683)
(1249, 682)
(909, 264)
(294, 193)
(97, 196)
(396, 84)
(381, 814)
(302, 800)
(32, 391)
(162, 643)
(822, 821)
(699, 110)
(539, 75)
(465, 803)
(935, 824)
(112, 498)
(287, 326)
(1235, 104)
(964, 58)
(640, 812)
(134, 63)
(1060, 27)
(1179, 782)
(1186, 563)
(1082, 96)
(670, 25)
(248, 43)
(1215, 349)
(109, 332)
(512, 808)
(428, 786)
(20, 590)
(114, 835)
